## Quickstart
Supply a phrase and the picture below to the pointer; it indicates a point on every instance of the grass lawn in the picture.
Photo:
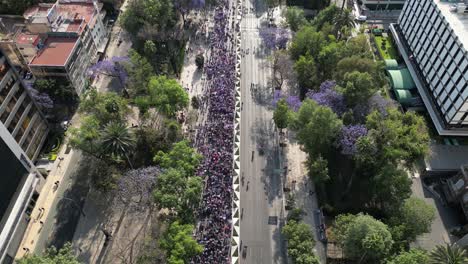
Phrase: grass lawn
(387, 52)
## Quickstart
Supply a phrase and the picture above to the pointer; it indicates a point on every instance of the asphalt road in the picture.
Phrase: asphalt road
(261, 191)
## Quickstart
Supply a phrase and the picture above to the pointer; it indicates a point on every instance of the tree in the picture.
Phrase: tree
(306, 72)
(181, 157)
(300, 242)
(318, 169)
(358, 88)
(364, 237)
(349, 137)
(43, 100)
(326, 16)
(178, 193)
(281, 114)
(111, 67)
(135, 188)
(105, 107)
(166, 95)
(307, 41)
(343, 19)
(398, 136)
(179, 243)
(328, 96)
(295, 17)
(282, 67)
(413, 256)
(360, 64)
(200, 60)
(52, 256)
(415, 218)
(140, 72)
(448, 254)
(316, 126)
(86, 136)
(274, 38)
(117, 141)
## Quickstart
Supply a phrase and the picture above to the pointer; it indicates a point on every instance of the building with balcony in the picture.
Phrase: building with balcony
(59, 40)
(432, 38)
(23, 130)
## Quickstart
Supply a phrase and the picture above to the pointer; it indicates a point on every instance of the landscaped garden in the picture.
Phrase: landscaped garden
(386, 48)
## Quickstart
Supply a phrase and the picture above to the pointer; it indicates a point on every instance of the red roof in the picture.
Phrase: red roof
(24, 38)
(55, 52)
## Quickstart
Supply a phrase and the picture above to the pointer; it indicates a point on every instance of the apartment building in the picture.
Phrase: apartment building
(61, 39)
(432, 38)
(23, 130)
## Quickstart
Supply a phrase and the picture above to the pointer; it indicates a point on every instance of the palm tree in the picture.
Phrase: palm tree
(448, 254)
(344, 18)
(117, 141)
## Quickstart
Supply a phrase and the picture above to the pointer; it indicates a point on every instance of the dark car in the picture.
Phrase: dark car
(244, 252)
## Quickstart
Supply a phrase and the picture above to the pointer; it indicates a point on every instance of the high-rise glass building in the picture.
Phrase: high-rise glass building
(23, 130)
(432, 37)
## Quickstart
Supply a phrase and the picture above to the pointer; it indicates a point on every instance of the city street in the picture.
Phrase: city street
(261, 202)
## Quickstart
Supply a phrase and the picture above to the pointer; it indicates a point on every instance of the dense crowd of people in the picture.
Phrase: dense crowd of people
(215, 142)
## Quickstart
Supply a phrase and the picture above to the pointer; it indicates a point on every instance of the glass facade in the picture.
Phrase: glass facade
(441, 57)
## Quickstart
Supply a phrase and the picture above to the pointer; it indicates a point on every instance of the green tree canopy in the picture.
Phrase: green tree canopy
(166, 95)
(52, 256)
(295, 17)
(181, 157)
(413, 256)
(357, 63)
(139, 71)
(364, 237)
(117, 141)
(398, 136)
(358, 87)
(318, 169)
(105, 107)
(306, 72)
(179, 243)
(415, 218)
(281, 114)
(316, 126)
(326, 16)
(307, 41)
(178, 193)
(300, 242)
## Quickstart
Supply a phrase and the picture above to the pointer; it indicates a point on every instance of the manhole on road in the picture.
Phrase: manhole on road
(273, 220)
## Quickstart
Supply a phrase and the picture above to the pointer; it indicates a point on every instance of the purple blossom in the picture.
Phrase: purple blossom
(42, 99)
(294, 102)
(112, 67)
(136, 186)
(274, 38)
(348, 138)
(376, 102)
(328, 96)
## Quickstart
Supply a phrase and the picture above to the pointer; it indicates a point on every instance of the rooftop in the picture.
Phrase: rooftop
(25, 38)
(457, 19)
(446, 157)
(55, 52)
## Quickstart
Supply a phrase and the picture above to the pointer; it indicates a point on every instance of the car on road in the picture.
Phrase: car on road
(244, 252)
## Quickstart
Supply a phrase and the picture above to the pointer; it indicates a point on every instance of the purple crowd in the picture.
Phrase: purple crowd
(215, 142)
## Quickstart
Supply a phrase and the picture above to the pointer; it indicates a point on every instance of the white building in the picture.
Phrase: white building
(23, 130)
(432, 37)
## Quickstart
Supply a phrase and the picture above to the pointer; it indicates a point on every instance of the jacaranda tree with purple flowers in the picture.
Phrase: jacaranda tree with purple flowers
(42, 99)
(111, 67)
(135, 188)
(292, 101)
(274, 38)
(348, 138)
(328, 96)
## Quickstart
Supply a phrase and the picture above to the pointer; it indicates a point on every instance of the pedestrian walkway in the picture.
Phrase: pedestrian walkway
(303, 190)
(44, 203)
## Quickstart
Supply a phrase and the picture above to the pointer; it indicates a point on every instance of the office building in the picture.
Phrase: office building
(432, 38)
(23, 131)
(383, 4)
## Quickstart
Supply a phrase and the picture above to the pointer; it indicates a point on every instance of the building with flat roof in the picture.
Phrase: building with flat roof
(23, 130)
(432, 38)
(61, 39)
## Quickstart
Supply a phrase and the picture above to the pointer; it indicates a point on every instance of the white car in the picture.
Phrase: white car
(361, 18)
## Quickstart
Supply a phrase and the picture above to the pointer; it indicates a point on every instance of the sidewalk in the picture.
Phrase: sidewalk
(299, 183)
(52, 188)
